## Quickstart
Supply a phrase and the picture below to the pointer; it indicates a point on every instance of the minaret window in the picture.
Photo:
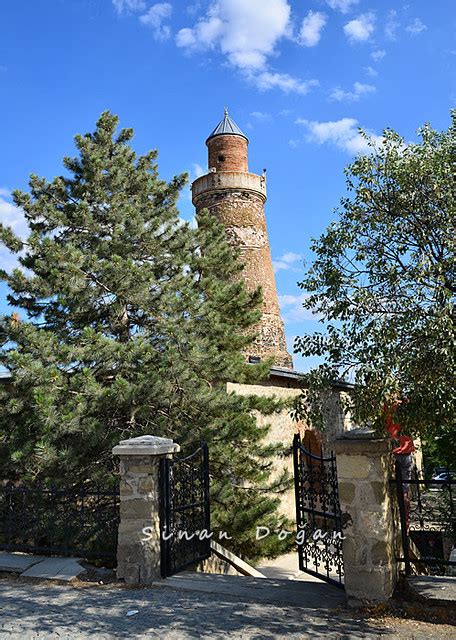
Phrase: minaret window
(221, 158)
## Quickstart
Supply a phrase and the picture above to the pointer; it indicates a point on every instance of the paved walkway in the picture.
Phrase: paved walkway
(307, 595)
(287, 567)
(30, 566)
(30, 611)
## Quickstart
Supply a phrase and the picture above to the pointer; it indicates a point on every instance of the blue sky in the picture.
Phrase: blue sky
(298, 77)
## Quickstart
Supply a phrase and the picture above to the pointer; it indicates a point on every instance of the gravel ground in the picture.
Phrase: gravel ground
(47, 610)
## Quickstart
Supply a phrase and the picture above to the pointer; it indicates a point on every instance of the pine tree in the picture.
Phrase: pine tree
(132, 323)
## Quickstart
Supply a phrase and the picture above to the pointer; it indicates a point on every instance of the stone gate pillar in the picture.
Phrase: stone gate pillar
(138, 547)
(364, 468)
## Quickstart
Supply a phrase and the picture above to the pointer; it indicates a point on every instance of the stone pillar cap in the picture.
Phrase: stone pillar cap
(364, 433)
(145, 446)
(361, 440)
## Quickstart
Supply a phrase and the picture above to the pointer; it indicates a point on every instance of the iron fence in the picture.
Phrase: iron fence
(427, 510)
(56, 520)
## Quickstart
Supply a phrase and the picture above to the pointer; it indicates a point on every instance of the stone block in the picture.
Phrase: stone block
(126, 488)
(130, 538)
(132, 574)
(63, 569)
(380, 491)
(355, 552)
(374, 524)
(367, 445)
(137, 509)
(373, 585)
(127, 552)
(133, 526)
(120, 570)
(353, 467)
(140, 469)
(347, 492)
(148, 485)
(367, 497)
(364, 470)
(381, 553)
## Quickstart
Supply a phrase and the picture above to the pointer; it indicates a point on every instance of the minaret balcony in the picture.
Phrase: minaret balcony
(228, 180)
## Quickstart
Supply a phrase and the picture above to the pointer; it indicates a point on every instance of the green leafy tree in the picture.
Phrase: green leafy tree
(383, 281)
(132, 323)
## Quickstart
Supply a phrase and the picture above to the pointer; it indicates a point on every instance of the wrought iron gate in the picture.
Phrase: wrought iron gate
(184, 511)
(318, 516)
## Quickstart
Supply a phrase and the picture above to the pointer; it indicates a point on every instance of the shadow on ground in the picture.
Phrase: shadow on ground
(49, 610)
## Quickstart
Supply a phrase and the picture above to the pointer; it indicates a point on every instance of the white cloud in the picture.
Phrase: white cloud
(198, 170)
(359, 90)
(373, 73)
(186, 39)
(155, 17)
(378, 54)
(290, 257)
(416, 27)
(361, 28)
(392, 25)
(342, 5)
(11, 216)
(286, 262)
(193, 9)
(261, 116)
(311, 28)
(292, 309)
(269, 80)
(279, 266)
(343, 133)
(247, 33)
(127, 6)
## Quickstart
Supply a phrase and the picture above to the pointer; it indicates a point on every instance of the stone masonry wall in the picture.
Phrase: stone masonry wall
(364, 469)
(138, 561)
(242, 213)
(283, 427)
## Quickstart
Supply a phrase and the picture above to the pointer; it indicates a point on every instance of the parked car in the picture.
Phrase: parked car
(439, 470)
(442, 478)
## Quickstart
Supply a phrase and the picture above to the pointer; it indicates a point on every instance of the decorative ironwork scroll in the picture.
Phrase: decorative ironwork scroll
(184, 511)
(318, 515)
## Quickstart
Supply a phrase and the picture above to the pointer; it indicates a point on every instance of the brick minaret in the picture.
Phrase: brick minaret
(237, 198)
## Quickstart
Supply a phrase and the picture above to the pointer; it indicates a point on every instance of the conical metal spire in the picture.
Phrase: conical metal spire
(227, 126)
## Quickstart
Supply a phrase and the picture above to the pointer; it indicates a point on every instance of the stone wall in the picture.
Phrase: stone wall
(283, 427)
